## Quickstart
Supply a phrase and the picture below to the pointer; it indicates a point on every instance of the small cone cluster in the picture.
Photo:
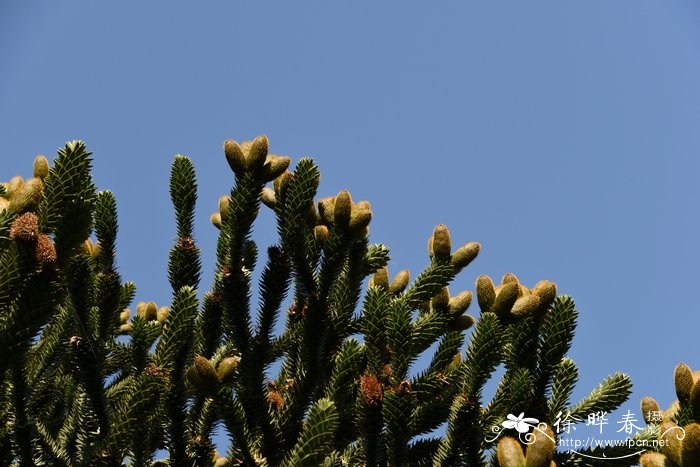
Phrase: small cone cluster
(371, 389)
(205, 378)
(25, 229)
(455, 307)
(20, 195)
(440, 249)
(539, 453)
(511, 298)
(396, 286)
(340, 211)
(125, 326)
(252, 156)
(148, 311)
(151, 312)
(678, 445)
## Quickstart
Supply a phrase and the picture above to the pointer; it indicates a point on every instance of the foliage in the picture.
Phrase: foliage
(677, 428)
(84, 383)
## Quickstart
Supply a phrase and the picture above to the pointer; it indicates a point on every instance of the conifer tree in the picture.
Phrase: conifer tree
(83, 382)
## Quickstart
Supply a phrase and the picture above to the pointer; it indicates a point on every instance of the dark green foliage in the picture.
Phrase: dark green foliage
(82, 383)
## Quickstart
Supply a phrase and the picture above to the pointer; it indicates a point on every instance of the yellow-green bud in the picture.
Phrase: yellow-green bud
(380, 278)
(485, 292)
(224, 202)
(124, 316)
(257, 153)
(683, 379)
(148, 311)
(151, 312)
(216, 219)
(274, 166)
(310, 215)
(690, 449)
(510, 453)
(4, 202)
(14, 184)
(234, 156)
(650, 408)
(227, 368)
(221, 462)
(321, 234)
(465, 255)
(671, 411)
(460, 302)
(281, 183)
(342, 209)
(525, 305)
(506, 298)
(27, 196)
(440, 301)
(508, 278)
(441, 245)
(125, 328)
(547, 291)
(202, 375)
(267, 196)
(695, 399)
(523, 291)
(326, 206)
(541, 451)
(461, 323)
(671, 446)
(400, 282)
(654, 459)
(41, 166)
(360, 216)
(162, 314)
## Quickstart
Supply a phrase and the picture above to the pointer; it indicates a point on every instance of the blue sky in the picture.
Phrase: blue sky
(561, 135)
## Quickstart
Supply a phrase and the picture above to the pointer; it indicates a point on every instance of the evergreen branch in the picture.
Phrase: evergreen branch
(428, 283)
(606, 397)
(556, 335)
(317, 436)
(69, 199)
(208, 325)
(23, 430)
(49, 348)
(175, 343)
(106, 230)
(446, 351)
(483, 354)
(376, 257)
(564, 381)
(293, 228)
(396, 404)
(374, 327)
(400, 347)
(427, 329)
(183, 193)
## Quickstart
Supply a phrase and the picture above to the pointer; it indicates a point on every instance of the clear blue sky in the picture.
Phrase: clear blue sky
(563, 136)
